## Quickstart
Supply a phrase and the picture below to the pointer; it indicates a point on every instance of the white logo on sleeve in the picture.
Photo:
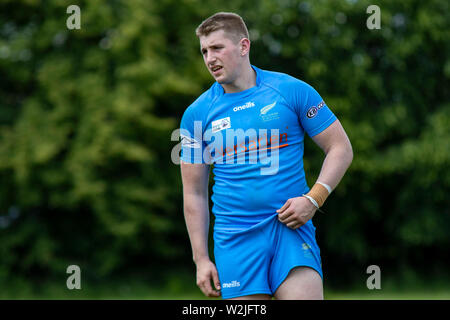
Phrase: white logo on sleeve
(188, 142)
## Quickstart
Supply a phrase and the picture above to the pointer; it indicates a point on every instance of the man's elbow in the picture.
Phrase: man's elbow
(349, 153)
(193, 203)
(343, 152)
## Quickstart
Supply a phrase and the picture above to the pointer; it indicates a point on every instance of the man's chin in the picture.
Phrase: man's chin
(221, 80)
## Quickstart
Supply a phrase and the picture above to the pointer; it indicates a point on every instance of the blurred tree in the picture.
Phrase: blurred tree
(86, 117)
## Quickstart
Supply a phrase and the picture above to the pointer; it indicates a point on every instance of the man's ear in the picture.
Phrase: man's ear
(244, 46)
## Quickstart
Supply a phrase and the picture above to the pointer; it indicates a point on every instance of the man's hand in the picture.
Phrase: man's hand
(296, 212)
(206, 271)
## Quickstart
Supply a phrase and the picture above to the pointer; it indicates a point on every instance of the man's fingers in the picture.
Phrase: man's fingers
(294, 224)
(289, 218)
(201, 285)
(208, 279)
(205, 285)
(216, 281)
(207, 289)
(287, 213)
(285, 206)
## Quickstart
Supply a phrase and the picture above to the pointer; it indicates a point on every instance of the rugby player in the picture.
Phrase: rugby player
(250, 126)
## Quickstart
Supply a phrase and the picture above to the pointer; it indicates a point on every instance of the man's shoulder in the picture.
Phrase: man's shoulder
(282, 81)
(203, 102)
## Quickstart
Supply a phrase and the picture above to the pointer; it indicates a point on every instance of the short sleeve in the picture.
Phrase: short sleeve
(191, 135)
(312, 111)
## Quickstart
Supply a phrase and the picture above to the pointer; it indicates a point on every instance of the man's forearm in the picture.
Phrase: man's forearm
(196, 214)
(335, 165)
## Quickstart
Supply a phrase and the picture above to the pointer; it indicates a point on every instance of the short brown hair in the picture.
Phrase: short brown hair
(230, 22)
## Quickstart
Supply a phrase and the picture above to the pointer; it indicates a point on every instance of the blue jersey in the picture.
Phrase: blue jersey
(254, 139)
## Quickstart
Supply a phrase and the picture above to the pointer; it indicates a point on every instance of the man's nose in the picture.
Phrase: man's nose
(210, 58)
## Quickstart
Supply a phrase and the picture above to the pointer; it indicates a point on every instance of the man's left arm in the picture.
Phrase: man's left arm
(339, 155)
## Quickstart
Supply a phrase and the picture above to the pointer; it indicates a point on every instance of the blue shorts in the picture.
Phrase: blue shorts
(258, 259)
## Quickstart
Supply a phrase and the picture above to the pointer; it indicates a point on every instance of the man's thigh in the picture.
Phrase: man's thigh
(302, 283)
(296, 261)
(242, 261)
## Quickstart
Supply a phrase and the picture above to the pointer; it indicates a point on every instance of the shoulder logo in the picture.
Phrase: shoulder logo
(189, 142)
(312, 112)
(267, 108)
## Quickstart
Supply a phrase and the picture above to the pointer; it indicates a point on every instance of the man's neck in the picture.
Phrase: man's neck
(246, 80)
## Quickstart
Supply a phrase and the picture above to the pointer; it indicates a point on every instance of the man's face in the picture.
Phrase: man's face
(221, 56)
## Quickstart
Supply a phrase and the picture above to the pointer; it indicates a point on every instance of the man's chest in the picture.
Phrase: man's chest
(267, 111)
(254, 124)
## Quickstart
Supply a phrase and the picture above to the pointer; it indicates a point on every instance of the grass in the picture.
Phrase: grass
(389, 295)
(181, 286)
(141, 291)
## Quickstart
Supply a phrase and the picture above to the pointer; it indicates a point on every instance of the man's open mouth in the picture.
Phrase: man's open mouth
(216, 68)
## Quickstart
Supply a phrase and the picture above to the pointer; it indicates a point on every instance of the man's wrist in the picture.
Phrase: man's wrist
(201, 258)
(311, 200)
(318, 194)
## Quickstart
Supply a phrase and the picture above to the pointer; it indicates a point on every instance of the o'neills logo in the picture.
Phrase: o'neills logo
(245, 106)
(231, 284)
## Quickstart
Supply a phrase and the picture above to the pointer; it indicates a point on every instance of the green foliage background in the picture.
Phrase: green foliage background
(86, 118)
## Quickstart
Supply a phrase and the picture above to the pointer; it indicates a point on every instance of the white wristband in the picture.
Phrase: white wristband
(312, 200)
(326, 186)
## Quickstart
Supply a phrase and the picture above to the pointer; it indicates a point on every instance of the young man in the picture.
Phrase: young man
(250, 125)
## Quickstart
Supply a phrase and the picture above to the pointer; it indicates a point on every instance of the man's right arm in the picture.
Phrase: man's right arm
(195, 179)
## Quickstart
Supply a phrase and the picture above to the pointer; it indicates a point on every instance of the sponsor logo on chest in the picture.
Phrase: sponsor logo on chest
(221, 124)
